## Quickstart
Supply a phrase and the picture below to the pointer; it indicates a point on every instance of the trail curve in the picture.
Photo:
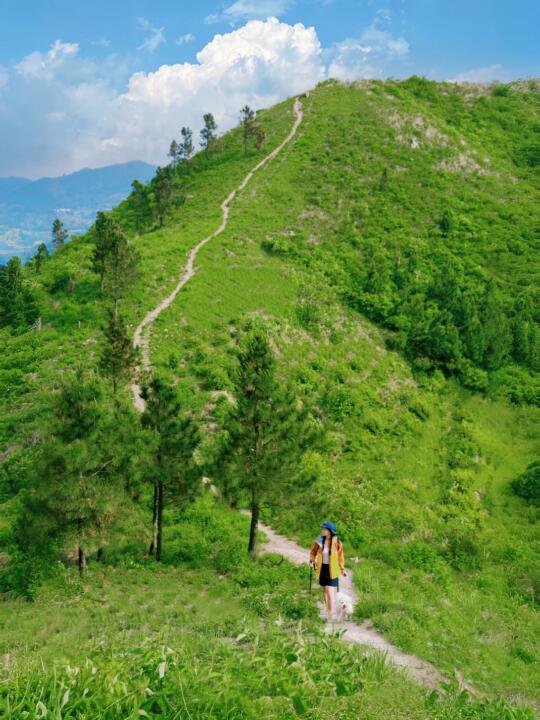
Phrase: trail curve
(423, 672)
(141, 339)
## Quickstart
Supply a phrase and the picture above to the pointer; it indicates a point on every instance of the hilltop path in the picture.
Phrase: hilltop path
(421, 671)
(142, 340)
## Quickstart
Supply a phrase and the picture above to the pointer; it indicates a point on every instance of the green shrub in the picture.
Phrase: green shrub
(501, 91)
(515, 384)
(527, 485)
(278, 246)
(339, 403)
(419, 408)
(473, 377)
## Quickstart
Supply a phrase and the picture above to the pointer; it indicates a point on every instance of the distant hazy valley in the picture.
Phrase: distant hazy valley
(29, 207)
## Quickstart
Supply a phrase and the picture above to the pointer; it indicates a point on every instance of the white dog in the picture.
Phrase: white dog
(344, 606)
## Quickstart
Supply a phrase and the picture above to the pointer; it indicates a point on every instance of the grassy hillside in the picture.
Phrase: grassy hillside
(391, 247)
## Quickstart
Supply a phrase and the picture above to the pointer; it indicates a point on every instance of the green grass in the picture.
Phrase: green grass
(384, 473)
(138, 639)
(461, 592)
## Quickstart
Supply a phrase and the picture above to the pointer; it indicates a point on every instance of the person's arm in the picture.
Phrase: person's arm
(341, 559)
(313, 551)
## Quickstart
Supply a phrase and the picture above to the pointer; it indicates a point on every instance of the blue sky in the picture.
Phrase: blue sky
(87, 84)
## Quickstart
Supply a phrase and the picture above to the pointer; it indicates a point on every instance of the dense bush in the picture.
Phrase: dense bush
(527, 485)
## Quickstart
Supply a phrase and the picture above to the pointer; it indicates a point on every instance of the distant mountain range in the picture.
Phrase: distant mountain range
(29, 207)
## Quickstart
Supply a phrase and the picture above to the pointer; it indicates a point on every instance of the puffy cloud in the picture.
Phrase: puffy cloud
(250, 10)
(37, 65)
(81, 119)
(89, 113)
(54, 109)
(483, 74)
(260, 64)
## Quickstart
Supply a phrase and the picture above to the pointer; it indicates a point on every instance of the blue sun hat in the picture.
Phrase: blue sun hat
(331, 526)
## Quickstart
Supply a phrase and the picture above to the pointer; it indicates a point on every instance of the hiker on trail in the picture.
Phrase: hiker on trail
(326, 556)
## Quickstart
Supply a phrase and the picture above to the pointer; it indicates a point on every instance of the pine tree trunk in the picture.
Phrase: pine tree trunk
(154, 523)
(81, 560)
(252, 547)
(159, 520)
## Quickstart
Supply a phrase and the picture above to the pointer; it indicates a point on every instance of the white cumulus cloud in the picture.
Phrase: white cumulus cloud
(80, 118)
(260, 64)
(89, 113)
(38, 65)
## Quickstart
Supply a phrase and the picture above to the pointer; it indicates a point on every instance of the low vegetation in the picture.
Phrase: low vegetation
(387, 258)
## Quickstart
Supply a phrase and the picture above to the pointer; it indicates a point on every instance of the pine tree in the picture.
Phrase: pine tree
(175, 437)
(18, 307)
(186, 146)
(11, 296)
(522, 323)
(121, 267)
(105, 231)
(118, 356)
(208, 133)
(40, 257)
(497, 330)
(59, 233)
(140, 203)
(173, 152)
(534, 347)
(247, 118)
(71, 495)
(269, 427)
(470, 326)
(162, 184)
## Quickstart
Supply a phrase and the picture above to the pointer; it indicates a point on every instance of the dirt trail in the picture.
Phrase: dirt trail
(142, 340)
(364, 634)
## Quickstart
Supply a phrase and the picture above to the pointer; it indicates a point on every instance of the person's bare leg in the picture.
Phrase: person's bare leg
(330, 602)
(326, 599)
(333, 601)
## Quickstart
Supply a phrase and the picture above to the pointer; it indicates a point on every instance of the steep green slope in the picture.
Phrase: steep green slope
(392, 246)
(419, 468)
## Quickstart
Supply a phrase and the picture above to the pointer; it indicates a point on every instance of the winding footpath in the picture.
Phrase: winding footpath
(363, 634)
(140, 338)
(419, 670)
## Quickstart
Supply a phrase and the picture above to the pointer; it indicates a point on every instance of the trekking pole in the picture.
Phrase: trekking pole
(310, 575)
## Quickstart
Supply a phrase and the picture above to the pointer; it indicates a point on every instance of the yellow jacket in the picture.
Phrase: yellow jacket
(337, 565)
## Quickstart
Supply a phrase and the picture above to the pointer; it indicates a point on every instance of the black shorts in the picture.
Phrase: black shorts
(324, 578)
